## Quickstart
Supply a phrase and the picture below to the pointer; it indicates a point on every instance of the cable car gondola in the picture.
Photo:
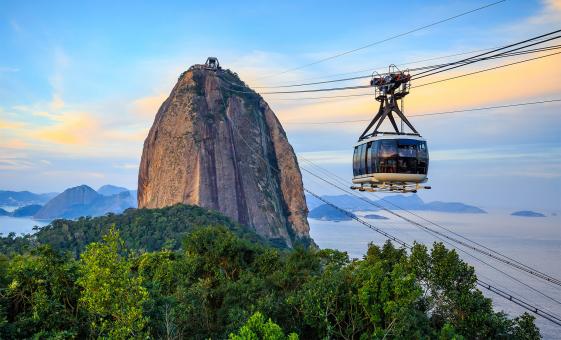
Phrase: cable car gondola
(393, 160)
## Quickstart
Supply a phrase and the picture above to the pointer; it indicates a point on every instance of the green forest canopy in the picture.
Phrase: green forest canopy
(222, 281)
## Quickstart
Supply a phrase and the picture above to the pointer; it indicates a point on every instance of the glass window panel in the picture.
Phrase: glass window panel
(368, 158)
(387, 156)
(407, 165)
(374, 157)
(362, 159)
(423, 158)
(422, 150)
(388, 148)
(354, 161)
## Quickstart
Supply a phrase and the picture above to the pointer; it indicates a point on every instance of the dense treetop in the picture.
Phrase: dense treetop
(221, 282)
(141, 230)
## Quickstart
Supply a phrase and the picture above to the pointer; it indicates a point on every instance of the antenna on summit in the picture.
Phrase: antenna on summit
(212, 64)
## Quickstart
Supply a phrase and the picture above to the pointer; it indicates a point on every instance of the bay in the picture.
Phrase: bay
(533, 241)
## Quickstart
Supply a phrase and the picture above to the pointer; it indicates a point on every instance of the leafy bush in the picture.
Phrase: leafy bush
(221, 281)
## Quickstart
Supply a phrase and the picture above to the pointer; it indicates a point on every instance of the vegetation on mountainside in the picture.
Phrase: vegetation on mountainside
(219, 284)
(141, 230)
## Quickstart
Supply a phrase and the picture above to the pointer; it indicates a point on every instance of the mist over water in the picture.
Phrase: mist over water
(533, 241)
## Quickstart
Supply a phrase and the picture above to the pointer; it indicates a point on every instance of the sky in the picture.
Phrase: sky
(80, 83)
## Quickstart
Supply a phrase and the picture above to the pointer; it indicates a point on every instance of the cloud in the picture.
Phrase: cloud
(11, 159)
(81, 175)
(532, 80)
(550, 14)
(117, 135)
(127, 166)
(57, 103)
(326, 157)
(15, 26)
(541, 154)
(5, 69)
(72, 128)
(15, 144)
(147, 107)
(6, 124)
(526, 152)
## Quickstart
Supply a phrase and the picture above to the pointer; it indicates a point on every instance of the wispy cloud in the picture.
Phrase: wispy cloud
(6, 124)
(6, 69)
(85, 175)
(15, 164)
(72, 128)
(146, 107)
(550, 14)
(127, 166)
(15, 26)
(541, 161)
(15, 144)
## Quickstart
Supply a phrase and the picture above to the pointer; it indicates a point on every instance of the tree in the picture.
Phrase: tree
(525, 328)
(257, 328)
(112, 294)
(40, 297)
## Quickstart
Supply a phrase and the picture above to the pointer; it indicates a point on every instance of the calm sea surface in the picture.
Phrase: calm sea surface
(533, 241)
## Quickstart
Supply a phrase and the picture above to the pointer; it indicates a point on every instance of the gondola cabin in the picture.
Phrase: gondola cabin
(391, 162)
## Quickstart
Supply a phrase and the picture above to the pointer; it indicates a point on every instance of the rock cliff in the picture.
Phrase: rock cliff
(217, 144)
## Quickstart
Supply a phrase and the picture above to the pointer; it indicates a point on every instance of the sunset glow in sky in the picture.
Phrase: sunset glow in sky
(80, 84)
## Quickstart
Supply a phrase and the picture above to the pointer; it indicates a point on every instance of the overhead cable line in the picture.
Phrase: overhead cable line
(438, 113)
(549, 279)
(443, 237)
(452, 246)
(369, 86)
(384, 40)
(428, 67)
(518, 301)
(381, 67)
(487, 69)
(535, 310)
(472, 59)
(361, 221)
(400, 65)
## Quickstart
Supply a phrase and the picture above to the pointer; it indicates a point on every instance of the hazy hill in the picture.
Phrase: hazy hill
(28, 210)
(84, 201)
(110, 190)
(142, 229)
(527, 213)
(395, 202)
(21, 198)
(328, 213)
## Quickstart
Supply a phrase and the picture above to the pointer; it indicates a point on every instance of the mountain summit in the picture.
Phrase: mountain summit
(217, 144)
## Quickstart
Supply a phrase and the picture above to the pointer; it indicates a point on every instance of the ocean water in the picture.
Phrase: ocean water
(533, 241)
(18, 225)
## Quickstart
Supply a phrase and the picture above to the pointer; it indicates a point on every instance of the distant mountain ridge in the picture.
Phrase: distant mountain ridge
(326, 212)
(396, 202)
(26, 211)
(527, 213)
(22, 198)
(85, 201)
(110, 190)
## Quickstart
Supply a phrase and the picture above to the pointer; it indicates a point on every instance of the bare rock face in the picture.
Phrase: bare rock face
(217, 144)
